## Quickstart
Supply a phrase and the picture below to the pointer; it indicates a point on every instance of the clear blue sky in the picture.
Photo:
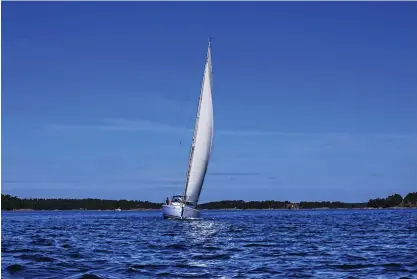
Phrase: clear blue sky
(312, 101)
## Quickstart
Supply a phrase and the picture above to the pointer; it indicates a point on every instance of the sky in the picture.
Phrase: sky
(312, 100)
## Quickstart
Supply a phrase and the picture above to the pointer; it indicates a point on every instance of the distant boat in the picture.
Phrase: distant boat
(184, 206)
(117, 209)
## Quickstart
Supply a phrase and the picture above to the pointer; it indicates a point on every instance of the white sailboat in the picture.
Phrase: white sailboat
(184, 206)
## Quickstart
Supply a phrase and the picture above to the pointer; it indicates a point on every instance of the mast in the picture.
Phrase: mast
(195, 127)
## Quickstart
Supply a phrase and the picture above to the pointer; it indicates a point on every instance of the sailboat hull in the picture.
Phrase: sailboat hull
(174, 212)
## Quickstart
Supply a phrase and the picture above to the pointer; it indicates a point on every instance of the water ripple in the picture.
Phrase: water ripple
(223, 244)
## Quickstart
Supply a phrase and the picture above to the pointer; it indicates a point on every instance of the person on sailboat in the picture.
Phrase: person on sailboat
(167, 200)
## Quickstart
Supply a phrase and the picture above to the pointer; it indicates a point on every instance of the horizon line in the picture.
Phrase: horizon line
(246, 201)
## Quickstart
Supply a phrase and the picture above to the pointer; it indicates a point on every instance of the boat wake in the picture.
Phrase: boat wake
(184, 219)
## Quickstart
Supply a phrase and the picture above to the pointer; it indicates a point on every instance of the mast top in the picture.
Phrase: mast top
(209, 42)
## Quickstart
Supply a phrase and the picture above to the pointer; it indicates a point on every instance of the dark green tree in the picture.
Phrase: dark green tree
(410, 199)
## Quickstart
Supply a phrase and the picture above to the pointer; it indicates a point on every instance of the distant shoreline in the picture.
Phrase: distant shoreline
(11, 203)
(222, 209)
(30, 209)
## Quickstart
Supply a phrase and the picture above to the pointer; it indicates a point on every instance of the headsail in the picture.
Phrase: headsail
(203, 137)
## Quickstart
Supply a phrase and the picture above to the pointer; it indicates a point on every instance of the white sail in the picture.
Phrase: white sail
(202, 139)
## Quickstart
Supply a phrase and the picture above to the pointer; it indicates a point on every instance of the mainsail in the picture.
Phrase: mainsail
(202, 138)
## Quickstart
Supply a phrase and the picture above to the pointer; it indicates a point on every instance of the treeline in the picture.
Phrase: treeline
(327, 204)
(9, 203)
(239, 204)
(395, 200)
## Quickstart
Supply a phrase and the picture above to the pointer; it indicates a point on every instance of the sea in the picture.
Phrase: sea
(222, 244)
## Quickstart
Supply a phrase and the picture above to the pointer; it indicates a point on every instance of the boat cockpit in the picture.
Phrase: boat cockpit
(178, 199)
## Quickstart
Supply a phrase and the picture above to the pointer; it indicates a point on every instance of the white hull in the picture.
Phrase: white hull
(174, 212)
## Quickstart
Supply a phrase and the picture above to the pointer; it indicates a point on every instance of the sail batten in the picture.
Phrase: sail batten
(202, 138)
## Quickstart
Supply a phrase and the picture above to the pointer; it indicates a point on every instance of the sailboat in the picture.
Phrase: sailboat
(185, 206)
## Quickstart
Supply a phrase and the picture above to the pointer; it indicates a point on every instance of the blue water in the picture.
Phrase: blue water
(223, 244)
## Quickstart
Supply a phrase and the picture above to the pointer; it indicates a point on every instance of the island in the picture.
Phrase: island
(9, 202)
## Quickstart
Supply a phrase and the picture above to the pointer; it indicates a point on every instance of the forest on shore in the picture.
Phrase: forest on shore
(9, 202)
